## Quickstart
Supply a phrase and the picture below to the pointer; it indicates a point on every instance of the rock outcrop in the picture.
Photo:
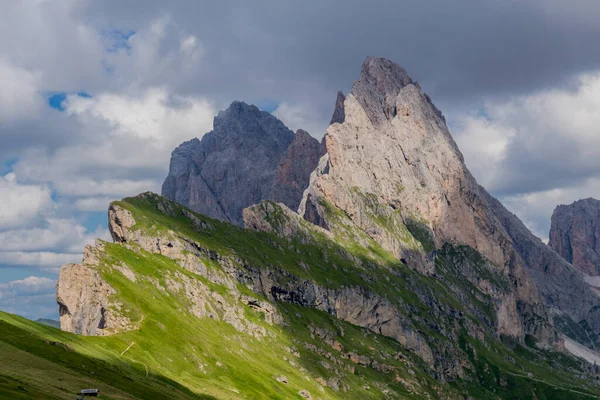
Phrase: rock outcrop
(575, 234)
(85, 306)
(391, 158)
(85, 299)
(249, 156)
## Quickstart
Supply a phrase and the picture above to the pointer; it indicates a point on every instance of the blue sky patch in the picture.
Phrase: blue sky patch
(9, 273)
(7, 167)
(94, 220)
(55, 101)
(108, 69)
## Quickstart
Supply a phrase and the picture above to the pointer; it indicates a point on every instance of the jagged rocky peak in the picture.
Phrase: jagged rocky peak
(245, 122)
(392, 143)
(575, 234)
(394, 174)
(392, 166)
(249, 156)
(338, 112)
(380, 82)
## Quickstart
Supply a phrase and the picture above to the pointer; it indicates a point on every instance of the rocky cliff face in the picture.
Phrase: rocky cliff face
(352, 304)
(563, 287)
(84, 298)
(391, 160)
(575, 234)
(249, 156)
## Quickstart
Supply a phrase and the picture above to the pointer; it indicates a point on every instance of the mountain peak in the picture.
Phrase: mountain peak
(249, 156)
(573, 234)
(392, 166)
(302, 133)
(385, 75)
(380, 83)
(240, 116)
(239, 107)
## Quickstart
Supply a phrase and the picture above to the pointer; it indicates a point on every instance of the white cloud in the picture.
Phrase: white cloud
(30, 285)
(542, 141)
(154, 115)
(31, 233)
(125, 139)
(483, 143)
(19, 97)
(188, 44)
(32, 297)
(27, 290)
(56, 234)
(112, 187)
(535, 209)
(537, 151)
(51, 36)
(22, 205)
(159, 53)
(44, 259)
(93, 203)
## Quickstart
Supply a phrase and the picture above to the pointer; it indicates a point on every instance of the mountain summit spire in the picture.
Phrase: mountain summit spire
(380, 82)
(392, 166)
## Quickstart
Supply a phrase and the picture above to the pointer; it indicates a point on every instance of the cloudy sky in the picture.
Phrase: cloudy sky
(94, 95)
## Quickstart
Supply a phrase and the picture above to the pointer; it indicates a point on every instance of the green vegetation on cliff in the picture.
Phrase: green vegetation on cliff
(207, 335)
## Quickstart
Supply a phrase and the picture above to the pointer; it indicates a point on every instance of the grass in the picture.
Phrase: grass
(175, 354)
(46, 363)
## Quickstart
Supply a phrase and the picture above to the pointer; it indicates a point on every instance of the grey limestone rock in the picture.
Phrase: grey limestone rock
(249, 156)
(294, 169)
(84, 300)
(338, 112)
(575, 234)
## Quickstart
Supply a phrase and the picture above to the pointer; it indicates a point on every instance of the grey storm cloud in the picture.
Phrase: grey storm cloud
(458, 50)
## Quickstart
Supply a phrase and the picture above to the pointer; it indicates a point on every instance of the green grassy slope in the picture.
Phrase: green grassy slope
(176, 355)
(41, 362)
